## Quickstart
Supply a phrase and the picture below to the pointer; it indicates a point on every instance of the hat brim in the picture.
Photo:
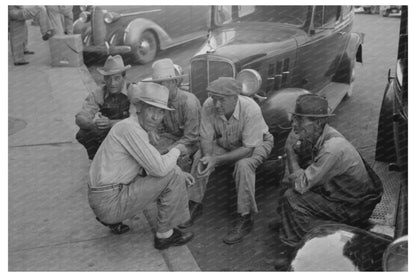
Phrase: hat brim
(112, 72)
(157, 105)
(149, 79)
(313, 115)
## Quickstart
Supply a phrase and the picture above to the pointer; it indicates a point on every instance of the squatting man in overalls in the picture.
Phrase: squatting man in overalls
(104, 106)
(233, 133)
(128, 173)
(328, 177)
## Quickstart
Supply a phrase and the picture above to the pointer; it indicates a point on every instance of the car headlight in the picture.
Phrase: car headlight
(111, 17)
(251, 81)
(84, 17)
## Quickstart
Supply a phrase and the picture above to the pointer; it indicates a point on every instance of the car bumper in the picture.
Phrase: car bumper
(108, 49)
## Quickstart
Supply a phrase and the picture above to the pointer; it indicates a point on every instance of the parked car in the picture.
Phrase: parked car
(387, 10)
(141, 31)
(338, 247)
(279, 52)
(393, 121)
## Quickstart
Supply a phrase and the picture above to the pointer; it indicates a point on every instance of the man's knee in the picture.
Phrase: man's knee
(244, 166)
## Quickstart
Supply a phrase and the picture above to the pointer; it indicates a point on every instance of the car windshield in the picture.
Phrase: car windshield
(292, 15)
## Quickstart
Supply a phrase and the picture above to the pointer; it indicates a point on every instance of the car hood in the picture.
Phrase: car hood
(237, 42)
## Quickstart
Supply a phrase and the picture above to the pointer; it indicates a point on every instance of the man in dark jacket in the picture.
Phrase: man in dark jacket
(329, 179)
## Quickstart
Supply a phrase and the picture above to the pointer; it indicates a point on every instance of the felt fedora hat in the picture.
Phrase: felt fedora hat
(150, 93)
(312, 105)
(113, 65)
(163, 70)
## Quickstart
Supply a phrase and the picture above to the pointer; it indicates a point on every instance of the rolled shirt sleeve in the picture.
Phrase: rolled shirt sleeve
(147, 155)
(192, 122)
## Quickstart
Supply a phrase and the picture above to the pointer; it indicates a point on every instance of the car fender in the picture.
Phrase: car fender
(136, 27)
(276, 113)
(82, 28)
(385, 150)
(352, 53)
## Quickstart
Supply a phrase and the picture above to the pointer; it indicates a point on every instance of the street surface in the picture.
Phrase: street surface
(356, 118)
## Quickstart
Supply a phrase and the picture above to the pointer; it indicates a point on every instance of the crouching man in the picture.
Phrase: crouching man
(104, 106)
(128, 173)
(233, 133)
(329, 179)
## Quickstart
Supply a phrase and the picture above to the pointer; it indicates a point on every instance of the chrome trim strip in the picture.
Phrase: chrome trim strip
(141, 12)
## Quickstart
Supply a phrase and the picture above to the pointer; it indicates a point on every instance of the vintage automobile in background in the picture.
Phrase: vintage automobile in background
(382, 10)
(338, 247)
(279, 52)
(140, 31)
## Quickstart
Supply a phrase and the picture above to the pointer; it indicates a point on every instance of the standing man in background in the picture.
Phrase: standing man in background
(61, 18)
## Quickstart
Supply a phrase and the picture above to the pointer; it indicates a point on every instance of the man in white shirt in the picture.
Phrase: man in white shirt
(128, 173)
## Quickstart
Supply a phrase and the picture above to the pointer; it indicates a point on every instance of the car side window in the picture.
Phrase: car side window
(245, 10)
(224, 14)
(326, 16)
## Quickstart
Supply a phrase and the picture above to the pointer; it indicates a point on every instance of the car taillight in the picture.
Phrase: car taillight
(111, 17)
(85, 16)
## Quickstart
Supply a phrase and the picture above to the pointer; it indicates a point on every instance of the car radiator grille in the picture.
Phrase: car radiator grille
(205, 71)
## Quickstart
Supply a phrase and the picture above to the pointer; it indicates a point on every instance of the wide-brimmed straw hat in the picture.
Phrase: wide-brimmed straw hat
(164, 70)
(312, 105)
(113, 65)
(150, 93)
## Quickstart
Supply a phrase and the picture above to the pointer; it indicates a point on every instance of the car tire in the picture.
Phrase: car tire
(145, 50)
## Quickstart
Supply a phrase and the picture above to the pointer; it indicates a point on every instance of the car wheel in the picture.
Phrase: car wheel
(146, 48)
(374, 10)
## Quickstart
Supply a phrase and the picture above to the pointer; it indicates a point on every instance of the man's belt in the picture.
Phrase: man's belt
(106, 187)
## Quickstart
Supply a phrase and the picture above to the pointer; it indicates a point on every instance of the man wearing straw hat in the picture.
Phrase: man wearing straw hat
(128, 173)
(332, 183)
(234, 134)
(104, 106)
(182, 124)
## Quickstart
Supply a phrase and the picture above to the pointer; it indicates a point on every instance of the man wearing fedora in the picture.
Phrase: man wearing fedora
(328, 177)
(104, 106)
(128, 173)
(233, 133)
(181, 125)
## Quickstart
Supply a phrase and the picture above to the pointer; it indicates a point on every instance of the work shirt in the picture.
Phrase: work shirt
(337, 170)
(183, 122)
(125, 153)
(95, 101)
(245, 127)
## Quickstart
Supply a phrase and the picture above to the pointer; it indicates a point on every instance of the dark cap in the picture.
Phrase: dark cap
(312, 105)
(225, 86)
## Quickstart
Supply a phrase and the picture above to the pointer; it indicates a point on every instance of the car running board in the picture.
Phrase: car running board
(334, 92)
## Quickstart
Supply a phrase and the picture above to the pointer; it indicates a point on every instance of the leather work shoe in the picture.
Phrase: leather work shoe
(240, 230)
(176, 239)
(21, 63)
(284, 258)
(195, 209)
(49, 33)
(117, 228)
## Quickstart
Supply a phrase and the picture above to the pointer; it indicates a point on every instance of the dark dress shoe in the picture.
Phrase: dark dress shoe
(48, 34)
(176, 239)
(195, 209)
(240, 230)
(21, 63)
(117, 228)
(27, 52)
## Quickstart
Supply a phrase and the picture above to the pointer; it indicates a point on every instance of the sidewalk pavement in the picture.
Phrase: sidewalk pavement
(51, 226)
